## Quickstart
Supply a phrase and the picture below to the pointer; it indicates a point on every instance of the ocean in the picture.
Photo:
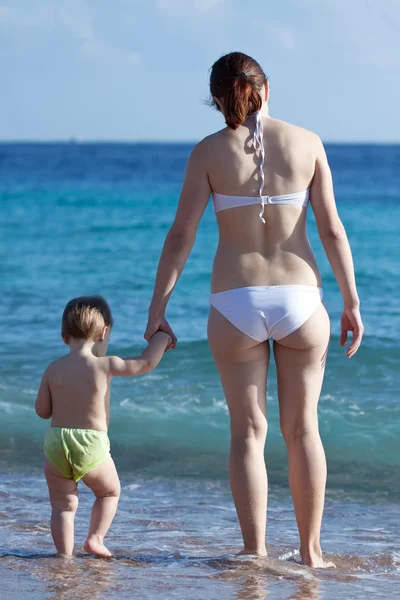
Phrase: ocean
(91, 219)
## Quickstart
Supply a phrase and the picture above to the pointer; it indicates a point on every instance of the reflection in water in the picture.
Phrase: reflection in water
(308, 589)
(253, 587)
(257, 579)
(76, 578)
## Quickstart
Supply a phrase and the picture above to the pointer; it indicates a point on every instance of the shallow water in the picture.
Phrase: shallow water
(92, 218)
(179, 540)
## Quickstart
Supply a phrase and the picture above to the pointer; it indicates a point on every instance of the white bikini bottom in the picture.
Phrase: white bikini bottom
(264, 312)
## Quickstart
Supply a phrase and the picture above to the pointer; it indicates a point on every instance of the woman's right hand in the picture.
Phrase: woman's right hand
(351, 321)
(159, 323)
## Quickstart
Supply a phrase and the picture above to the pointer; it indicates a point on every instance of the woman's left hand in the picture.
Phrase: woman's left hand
(351, 321)
(159, 323)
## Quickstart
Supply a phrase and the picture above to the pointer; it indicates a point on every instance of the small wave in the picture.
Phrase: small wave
(11, 408)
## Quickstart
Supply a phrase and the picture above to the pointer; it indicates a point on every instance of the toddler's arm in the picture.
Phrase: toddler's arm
(43, 404)
(147, 361)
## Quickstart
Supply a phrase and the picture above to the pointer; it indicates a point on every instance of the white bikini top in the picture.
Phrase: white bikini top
(223, 202)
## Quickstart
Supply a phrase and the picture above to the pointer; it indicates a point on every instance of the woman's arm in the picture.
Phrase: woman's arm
(334, 240)
(180, 238)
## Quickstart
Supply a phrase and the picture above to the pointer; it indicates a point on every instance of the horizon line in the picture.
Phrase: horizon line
(81, 142)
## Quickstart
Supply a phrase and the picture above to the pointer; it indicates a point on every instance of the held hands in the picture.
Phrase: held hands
(164, 336)
(351, 321)
(160, 323)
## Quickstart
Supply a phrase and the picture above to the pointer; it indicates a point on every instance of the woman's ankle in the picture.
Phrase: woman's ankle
(261, 551)
(311, 553)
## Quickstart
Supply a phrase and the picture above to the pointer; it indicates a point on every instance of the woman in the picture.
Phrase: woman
(262, 173)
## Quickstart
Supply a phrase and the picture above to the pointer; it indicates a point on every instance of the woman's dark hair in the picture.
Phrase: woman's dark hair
(236, 80)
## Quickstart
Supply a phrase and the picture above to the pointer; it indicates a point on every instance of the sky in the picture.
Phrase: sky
(138, 70)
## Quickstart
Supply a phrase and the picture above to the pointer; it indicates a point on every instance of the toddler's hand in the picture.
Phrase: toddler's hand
(169, 340)
(164, 336)
(159, 323)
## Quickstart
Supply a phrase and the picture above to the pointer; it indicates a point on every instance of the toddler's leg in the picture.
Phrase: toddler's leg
(63, 494)
(104, 483)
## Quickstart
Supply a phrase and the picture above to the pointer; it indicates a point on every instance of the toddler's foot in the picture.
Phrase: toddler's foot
(94, 545)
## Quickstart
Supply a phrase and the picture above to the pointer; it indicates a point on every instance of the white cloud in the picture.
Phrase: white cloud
(42, 16)
(194, 7)
(97, 50)
(4, 11)
(283, 34)
(376, 39)
(73, 19)
(134, 58)
(366, 32)
(91, 48)
(280, 33)
(80, 27)
(357, 32)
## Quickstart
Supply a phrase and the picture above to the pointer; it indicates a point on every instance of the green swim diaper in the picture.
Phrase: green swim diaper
(75, 452)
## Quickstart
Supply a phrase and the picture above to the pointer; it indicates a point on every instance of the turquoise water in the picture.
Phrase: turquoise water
(82, 219)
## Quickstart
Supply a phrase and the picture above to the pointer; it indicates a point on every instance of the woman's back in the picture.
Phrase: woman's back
(252, 252)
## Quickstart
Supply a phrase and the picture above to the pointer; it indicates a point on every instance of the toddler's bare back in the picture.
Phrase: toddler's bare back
(80, 392)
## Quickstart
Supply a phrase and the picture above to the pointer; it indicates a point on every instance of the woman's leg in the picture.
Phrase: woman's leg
(242, 364)
(300, 361)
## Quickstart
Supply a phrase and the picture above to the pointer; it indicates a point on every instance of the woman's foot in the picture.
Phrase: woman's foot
(262, 552)
(315, 560)
(94, 545)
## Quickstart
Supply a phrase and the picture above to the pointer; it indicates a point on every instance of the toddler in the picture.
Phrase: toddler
(75, 394)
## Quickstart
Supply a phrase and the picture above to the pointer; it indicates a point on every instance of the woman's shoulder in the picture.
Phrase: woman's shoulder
(291, 132)
(210, 140)
(204, 147)
(291, 129)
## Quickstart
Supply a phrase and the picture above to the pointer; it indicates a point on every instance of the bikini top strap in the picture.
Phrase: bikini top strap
(258, 144)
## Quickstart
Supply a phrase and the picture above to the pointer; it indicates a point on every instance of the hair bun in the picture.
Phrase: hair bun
(237, 81)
